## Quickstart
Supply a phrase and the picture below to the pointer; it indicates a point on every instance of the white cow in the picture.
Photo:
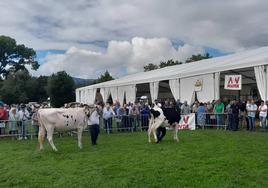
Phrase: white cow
(159, 119)
(62, 119)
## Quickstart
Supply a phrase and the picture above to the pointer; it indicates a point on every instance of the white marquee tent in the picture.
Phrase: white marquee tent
(182, 78)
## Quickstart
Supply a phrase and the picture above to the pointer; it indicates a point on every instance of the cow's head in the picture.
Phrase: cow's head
(89, 109)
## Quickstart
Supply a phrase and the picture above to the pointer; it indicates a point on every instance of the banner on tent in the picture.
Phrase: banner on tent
(198, 85)
(187, 122)
(233, 82)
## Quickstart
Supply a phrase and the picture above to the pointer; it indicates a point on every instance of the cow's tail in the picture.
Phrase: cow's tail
(42, 131)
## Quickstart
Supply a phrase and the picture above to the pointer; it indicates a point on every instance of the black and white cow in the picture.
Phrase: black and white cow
(167, 117)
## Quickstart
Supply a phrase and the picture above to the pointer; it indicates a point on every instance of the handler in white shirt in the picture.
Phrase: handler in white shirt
(94, 125)
(24, 115)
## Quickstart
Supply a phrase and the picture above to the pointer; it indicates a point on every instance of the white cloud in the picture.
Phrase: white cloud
(120, 58)
(84, 27)
(225, 25)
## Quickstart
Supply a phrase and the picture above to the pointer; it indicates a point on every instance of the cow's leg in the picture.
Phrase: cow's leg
(149, 133)
(156, 124)
(150, 129)
(175, 132)
(79, 136)
(41, 136)
(50, 132)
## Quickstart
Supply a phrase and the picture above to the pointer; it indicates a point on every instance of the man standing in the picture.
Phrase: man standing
(23, 117)
(94, 124)
(235, 111)
(251, 109)
(219, 110)
(185, 108)
(108, 114)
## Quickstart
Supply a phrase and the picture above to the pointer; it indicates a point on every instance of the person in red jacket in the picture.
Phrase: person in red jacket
(3, 118)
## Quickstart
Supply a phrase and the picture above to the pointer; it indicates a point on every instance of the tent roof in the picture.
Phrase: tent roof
(239, 60)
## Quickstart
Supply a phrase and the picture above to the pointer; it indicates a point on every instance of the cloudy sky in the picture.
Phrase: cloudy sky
(87, 37)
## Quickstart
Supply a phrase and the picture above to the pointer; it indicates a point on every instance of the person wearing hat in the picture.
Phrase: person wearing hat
(24, 115)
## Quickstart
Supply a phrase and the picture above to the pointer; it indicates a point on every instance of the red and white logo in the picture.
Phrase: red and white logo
(233, 82)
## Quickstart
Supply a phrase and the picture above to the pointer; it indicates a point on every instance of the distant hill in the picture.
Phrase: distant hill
(80, 82)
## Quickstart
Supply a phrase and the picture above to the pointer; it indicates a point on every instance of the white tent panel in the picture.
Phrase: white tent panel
(187, 87)
(77, 96)
(217, 80)
(114, 93)
(244, 59)
(261, 79)
(154, 89)
(91, 95)
(249, 58)
(174, 85)
(121, 94)
(131, 93)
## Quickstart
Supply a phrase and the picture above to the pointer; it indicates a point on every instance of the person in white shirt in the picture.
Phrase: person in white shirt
(13, 120)
(94, 125)
(108, 114)
(263, 114)
(251, 109)
(185, 108)
(24, 115)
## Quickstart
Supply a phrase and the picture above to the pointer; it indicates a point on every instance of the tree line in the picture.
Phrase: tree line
(18, 86)
(171, 62)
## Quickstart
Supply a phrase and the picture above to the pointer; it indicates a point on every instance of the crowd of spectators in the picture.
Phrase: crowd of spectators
(15, 120)
(233, 115)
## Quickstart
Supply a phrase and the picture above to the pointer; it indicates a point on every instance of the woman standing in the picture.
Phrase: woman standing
(263, 114)
(201, 115)
(13, 121)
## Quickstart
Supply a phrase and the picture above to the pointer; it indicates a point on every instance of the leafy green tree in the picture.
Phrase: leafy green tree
(61, 89)
(169, 62)
(14, 57)
(105, 77)
(19, 87)
(41, 91)
(150, 67)
(198, 57)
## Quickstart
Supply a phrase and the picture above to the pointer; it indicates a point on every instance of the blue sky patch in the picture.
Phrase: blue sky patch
(41, 54)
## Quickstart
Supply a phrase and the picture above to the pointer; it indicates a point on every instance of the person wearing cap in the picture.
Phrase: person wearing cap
(24, 115)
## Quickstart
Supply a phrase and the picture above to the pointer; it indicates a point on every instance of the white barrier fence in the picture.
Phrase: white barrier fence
(125, 123)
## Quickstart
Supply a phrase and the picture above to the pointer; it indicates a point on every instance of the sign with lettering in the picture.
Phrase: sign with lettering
(187, 122)
(233, 82)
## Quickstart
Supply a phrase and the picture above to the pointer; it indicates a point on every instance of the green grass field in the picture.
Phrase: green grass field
(202, 158)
